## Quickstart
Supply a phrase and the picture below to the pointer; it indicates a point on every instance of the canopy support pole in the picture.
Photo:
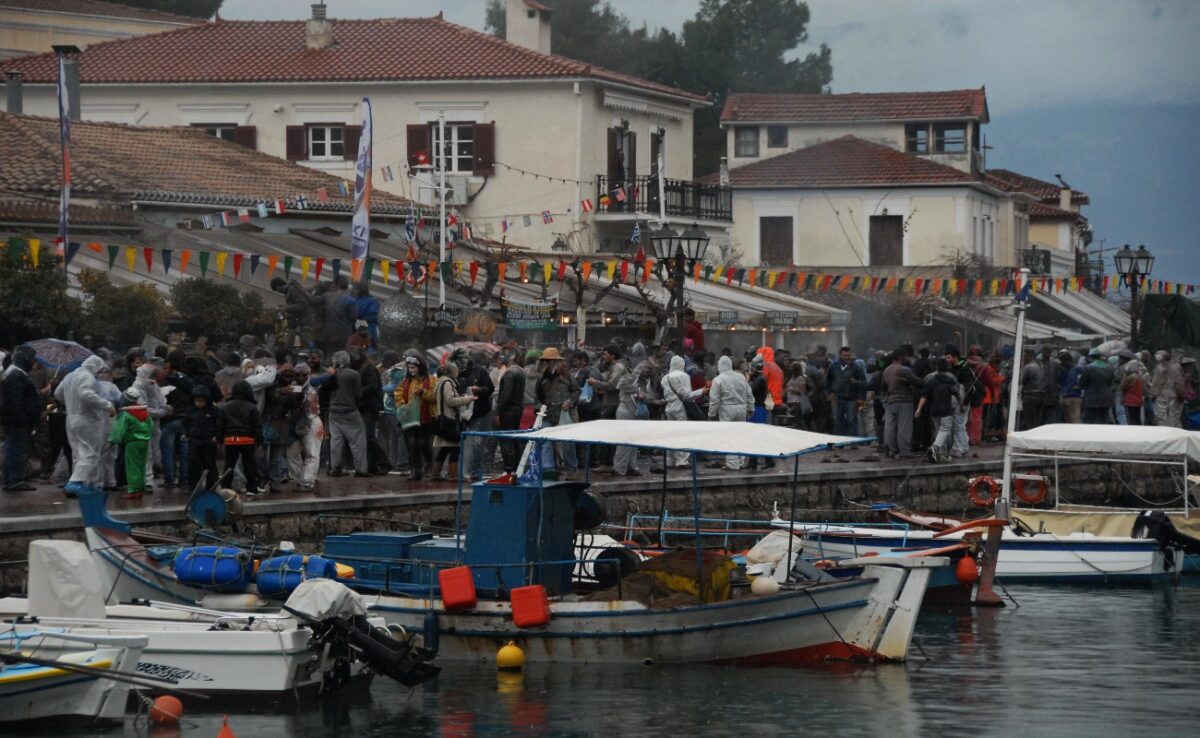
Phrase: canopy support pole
(792, 514)
(696, 514)
(662, 505)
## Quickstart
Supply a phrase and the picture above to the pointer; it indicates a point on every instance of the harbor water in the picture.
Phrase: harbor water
(1069, 661)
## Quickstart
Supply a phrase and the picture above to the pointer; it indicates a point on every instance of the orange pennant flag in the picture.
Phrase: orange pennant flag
(95, 247)
(587, 270)
(272, 263)
(750, 277)
(696, 272)
(356, 266)
(184, 258)
(501, 268)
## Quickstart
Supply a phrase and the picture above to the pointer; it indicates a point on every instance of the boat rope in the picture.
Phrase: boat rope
(829, 622)
(924, 655)
(1006, 592)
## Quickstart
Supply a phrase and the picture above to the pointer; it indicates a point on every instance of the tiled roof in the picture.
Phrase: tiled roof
(30, 210)
(385, 49)
(1011, 181)
(845, 162)
(1042, 210)
(856, 106)
(96, 7)
(114, 162)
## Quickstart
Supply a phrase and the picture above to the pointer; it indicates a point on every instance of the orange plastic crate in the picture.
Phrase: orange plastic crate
(458, 588)
(530, 606)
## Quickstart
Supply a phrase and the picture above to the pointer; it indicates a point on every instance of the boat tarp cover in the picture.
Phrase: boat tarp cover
(1111, 440)
(746, 439)
(669, 581)
(1099, 521)
(63, 581)
(322, 599)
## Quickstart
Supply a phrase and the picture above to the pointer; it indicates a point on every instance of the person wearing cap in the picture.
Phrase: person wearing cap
(133, 429)
(558, 392)
(361, 338)
(1097, 383)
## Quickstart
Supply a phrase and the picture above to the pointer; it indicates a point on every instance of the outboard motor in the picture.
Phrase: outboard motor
(1157, 525)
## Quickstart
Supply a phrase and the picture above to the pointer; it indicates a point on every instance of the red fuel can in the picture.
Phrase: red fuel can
(530, 606)
(458, 588)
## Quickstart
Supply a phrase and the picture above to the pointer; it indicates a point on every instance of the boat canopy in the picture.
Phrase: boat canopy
(1126, 440)
(742, 439)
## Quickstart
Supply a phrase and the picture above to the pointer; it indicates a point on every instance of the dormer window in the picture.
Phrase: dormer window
(916, 136)
(950, 138)
(745, 141)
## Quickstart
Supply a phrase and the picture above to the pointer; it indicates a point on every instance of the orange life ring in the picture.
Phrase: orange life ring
(1036, 497)
(990, 495)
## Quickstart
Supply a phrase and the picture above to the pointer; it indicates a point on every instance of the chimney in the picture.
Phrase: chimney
(12, 90)
(70, 56)
(527, 23)
(318, 31)
(1064, 198)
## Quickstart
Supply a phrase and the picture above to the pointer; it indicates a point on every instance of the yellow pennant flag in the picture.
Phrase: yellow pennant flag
(547, 270)
(130, 257)
(612, 269)
(305, 263)
(771, 277)
(385, 268)
(35, 248)
(222, 257)
(716, 276)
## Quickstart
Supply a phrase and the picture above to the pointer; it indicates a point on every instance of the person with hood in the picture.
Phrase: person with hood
(86, 411)
(366, 308)
(730, 400)
(305, 433)
(774, 377)
(20, 412)
(635, 391)
(681, 402)
(156, 405)
(1097, 382)
(229, 375)
(240, 430)
(200, 423)
(417, 387)
(473, 379)
(108, 461)
(390, 435)
(346, 425)
(133, 430)
(557, 391)
(1133, 391)
(448, 405)
(1168, 387)
(510, 406)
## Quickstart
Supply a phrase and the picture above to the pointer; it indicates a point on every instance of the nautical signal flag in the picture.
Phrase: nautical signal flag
(387, 174)
(322, 194)
(547, 217)
(504, 225)
(280, 208)
(587, 206)
(636, 237)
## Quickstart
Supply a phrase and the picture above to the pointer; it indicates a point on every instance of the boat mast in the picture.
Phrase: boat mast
(1014, 393)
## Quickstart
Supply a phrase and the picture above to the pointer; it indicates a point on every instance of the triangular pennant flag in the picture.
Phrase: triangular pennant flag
(356, 266)
(473, 270)
(446, 271)
(369, 265)
(112, 256)
(522, 268)
(35, 248)
(320, 264)
(184, 258)
(611, 268)
(385, 267)
(222, 258)
(501, 271)
(272, 262)
(730, 273)
(237, 265)
(305, 262)
(254, 259)
(716, 273)
(204, 258)
(148, 257)
(753, 277)
(287, 267)
(166, 259)
(772, 277)
(14, 249)
(547, 271)
(696, 268)
(587, 270)
(130, 256)
(624, 270)
(337, 268)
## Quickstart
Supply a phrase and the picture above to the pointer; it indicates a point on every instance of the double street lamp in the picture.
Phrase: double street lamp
(683, 251)
(1133, 266)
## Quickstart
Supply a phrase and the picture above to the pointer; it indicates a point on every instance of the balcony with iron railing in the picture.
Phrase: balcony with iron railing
(683, 199)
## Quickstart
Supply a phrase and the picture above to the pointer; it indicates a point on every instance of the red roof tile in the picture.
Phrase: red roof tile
(96, 7)
(845, 162)
(856, 106)
(116, 163)
(1047, 192)
(391, 49)
(19, 209)
(1042, 210)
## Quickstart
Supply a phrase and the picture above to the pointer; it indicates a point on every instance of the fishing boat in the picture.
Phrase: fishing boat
(322, 639)
(89, 686)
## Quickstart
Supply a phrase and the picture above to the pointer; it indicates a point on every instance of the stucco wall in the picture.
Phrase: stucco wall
(33, 32)
(803, 136)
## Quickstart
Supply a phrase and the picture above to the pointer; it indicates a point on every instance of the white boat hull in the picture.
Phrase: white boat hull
(44, 695)
(869, 618)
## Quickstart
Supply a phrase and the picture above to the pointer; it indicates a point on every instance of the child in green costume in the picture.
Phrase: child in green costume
(133, 429)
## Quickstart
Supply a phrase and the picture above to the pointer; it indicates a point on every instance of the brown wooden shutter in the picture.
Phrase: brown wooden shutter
(297, 145)
(631, 161)
(418, 141)
(614, 157)
(350, 137)
(246, 136)
(484, 136)
(655, 150)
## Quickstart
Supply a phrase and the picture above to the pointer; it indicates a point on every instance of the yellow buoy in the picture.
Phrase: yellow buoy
(510, 657)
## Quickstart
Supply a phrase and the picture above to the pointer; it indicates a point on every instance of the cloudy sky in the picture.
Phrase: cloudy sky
(1105, 92)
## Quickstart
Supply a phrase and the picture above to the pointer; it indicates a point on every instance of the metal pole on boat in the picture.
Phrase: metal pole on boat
(696, 512)
(792, 514)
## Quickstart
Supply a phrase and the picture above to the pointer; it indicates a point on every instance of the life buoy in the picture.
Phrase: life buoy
(990, 488)
(1036, 496)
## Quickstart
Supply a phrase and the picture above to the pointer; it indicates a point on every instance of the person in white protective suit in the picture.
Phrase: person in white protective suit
(730, 401)
(677, 387)
(157, 408)
(87, 415)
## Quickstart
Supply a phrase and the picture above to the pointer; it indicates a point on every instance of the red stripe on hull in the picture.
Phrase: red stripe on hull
(833, 651)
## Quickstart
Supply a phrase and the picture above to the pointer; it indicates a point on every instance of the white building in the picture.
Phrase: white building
(529, 136)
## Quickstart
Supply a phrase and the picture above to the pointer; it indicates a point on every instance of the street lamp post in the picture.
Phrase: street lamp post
(1133, 266)
(682, 251)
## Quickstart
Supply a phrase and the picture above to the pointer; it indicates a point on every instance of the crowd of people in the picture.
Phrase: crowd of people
(260, 419)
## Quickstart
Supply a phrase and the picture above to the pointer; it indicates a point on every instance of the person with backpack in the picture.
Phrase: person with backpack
(939, 400)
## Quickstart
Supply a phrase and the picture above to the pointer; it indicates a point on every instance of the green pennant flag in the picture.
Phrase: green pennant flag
(287, 267)
(204, 257)
(113, 250)
(809, 279)
(369, 271)
(854, 284)
(14, 249)
(447, 271)
(708, 270)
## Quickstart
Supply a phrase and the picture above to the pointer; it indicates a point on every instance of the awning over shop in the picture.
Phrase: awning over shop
(1091, 312)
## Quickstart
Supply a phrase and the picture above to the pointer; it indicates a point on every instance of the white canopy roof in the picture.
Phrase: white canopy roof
(749, 439)
(1127, 440)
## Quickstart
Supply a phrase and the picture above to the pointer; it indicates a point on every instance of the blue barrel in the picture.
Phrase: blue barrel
(282, 574)
(219, 568)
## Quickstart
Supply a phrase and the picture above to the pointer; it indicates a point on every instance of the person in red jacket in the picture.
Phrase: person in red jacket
(693, 330)
(774, 375)
(990, 381)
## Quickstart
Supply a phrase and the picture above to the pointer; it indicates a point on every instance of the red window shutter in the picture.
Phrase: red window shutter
(418, 142)
(297, 143)
(631, 164)
(484, 137)
(350, 137)
(246, 136)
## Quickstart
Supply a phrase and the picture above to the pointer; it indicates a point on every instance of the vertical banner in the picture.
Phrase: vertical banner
(64, 136)
(360, 228)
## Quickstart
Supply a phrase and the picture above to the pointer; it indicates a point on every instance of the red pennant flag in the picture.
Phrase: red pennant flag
(624, 270)
(562, 270)
(523, 267)
(729, 275)
(474, 270)
(317, 270)
(148, 257)
(237, 264)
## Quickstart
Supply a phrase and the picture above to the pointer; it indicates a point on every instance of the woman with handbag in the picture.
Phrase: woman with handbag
(415, 405)
(447, 425)
(681, 402)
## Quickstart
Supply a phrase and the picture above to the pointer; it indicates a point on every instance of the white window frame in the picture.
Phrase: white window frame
(458, 163)
(327, 141)
(216, 130)
(737, 150)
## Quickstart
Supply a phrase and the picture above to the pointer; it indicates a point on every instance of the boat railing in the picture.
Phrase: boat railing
(398, 573)
(668, 527)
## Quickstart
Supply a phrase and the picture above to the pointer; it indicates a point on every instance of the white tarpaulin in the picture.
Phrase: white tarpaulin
(63, 581)
(1113, 440)
(321, 599)
(747, 439)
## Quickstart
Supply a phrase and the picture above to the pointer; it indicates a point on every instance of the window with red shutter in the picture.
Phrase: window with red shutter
(296, 143)
(350, 137)
(485, 149)
(418, 144)
(246, 136)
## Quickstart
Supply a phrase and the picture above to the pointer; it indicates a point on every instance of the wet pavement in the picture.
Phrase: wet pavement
(49, 500)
